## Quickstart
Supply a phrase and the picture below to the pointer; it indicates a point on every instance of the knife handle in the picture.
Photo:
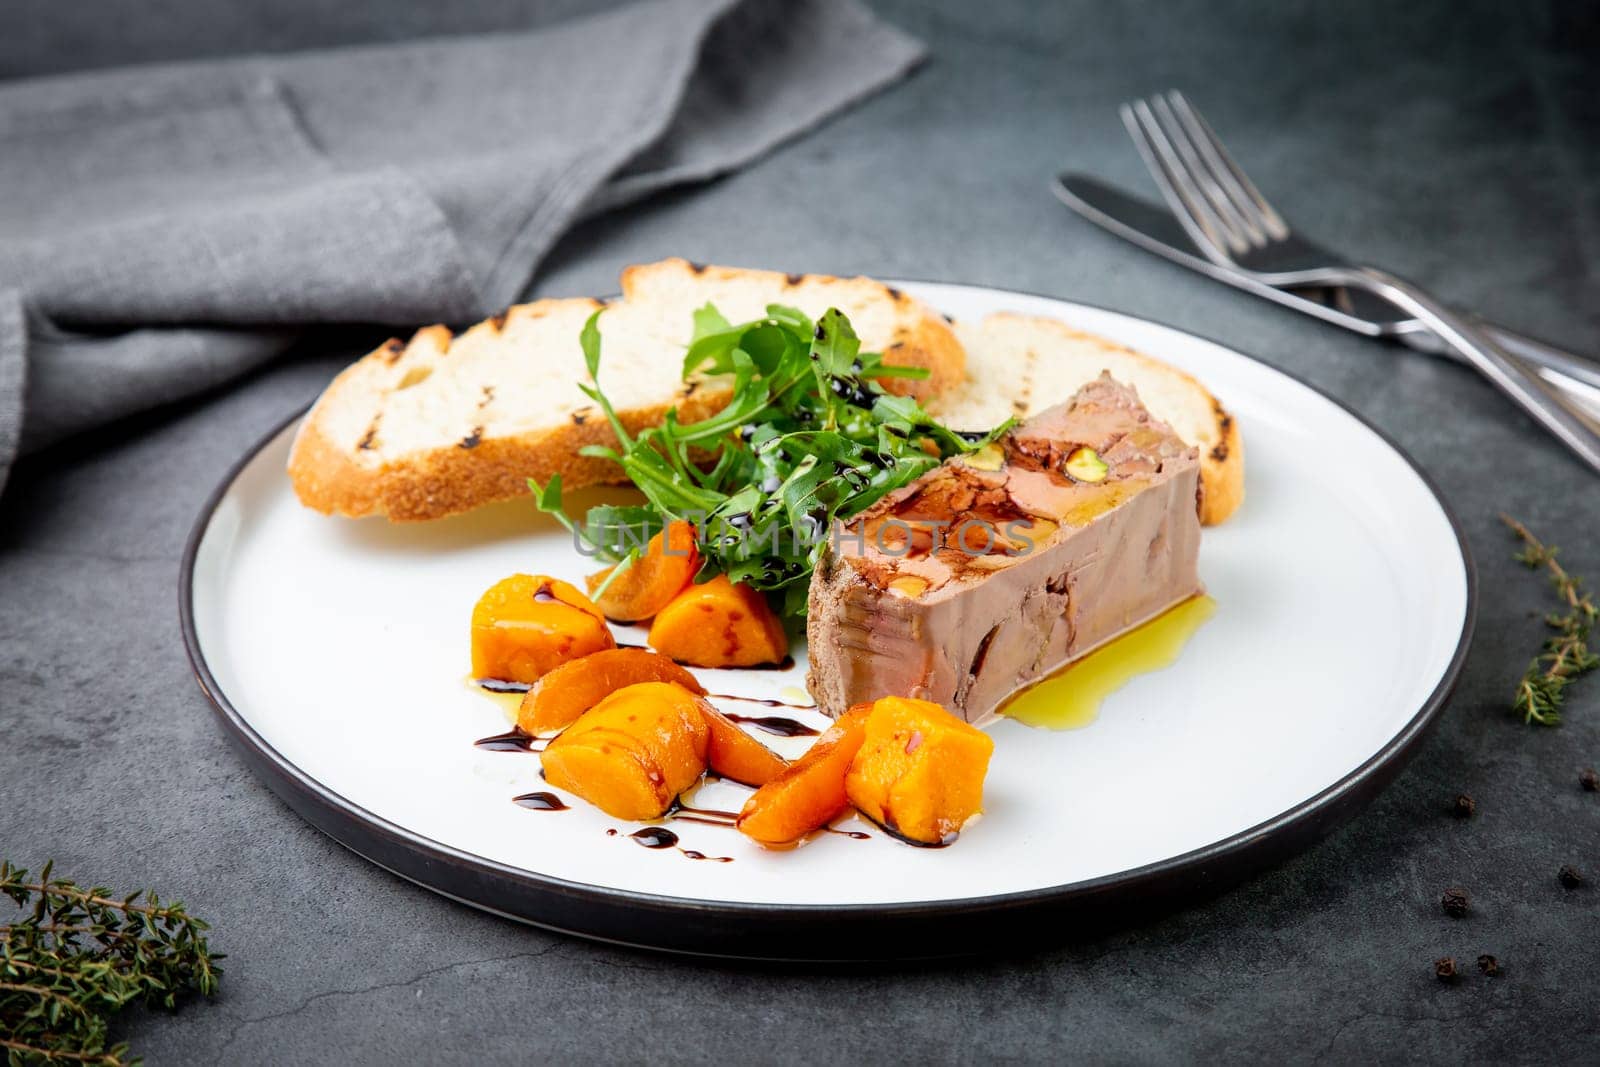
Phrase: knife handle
(1576, 377)
(1543, 354)
(1571, 426)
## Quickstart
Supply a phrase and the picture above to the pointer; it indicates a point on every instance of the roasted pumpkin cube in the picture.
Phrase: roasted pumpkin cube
(734, 754)
(654, 729)
(648, 584)
(919, 771)
(810, 792)
(559, 697)
(605, 768)
(719, 624)
(529, 624)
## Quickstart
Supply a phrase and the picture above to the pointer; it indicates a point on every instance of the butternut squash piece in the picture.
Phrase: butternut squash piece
(666, 567)
(559, 697)
(632, 754)
(810, 792)
(719, 624)
(734, 754)
(607, 770)
(529, 624)
(919, 771)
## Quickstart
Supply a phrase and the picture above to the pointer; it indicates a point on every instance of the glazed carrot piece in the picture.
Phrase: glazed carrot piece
(664, 570)
(719, 624)
(559, 697)
(810, 792)
(634, 752)
(529, 624)
(734, 754)
(919, 772)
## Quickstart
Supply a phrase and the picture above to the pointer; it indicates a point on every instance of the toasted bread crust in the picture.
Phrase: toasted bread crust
(1222, 471)
(345, 473)
(1221, 464)
(339, 473)
(1221, 450)
(923, 338)
(326, 478)
(448, 481)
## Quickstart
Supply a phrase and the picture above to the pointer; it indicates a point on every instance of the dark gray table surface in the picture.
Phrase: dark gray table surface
(1454, 143)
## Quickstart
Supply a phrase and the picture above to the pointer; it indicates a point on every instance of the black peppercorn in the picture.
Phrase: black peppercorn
(1589, 780)
(1568, 876)
(1465, 806)
(1455, 902)
(1444, 968)
(1489, 965)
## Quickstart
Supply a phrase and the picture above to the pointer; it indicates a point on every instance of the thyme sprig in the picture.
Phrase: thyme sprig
(1565, 654)
(808, 439)
(79, 955)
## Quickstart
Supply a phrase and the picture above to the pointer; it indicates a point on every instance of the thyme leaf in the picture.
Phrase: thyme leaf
(77, 956)
(1564, 655)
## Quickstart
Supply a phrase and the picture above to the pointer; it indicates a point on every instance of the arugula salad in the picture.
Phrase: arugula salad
(808, 439)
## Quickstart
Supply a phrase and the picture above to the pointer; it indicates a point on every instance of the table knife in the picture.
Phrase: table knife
(1152, 228)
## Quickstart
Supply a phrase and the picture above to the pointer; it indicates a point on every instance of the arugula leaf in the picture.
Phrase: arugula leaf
(589, 340)
(708, 320)
(833, 347)
(548, 498)
(889, 370)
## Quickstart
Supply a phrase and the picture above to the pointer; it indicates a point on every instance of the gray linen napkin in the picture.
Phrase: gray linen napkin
(166, 228)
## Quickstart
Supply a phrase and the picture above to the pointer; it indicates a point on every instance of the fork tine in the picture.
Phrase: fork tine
(1245, 220)
(1234, 179)
(1181, 194)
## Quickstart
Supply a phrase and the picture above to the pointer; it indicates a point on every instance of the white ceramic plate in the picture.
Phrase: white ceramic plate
(336, 653)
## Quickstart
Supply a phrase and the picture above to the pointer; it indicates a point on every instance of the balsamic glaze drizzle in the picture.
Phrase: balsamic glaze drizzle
(782, 665)
(496, 685)
(513, 740)
(680, 810)
(776, 725)
(655, 837)
(661, 837)
(701, 819)
(763, 701)
(854, 835)
(540, 802)
(658, 837)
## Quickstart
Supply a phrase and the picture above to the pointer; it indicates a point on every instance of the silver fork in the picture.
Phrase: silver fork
(1234, 225)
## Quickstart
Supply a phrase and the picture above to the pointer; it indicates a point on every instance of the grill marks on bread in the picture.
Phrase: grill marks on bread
(442, 423)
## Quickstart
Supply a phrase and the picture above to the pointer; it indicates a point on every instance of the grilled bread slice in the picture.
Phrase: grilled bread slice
(1020, 364)
(906, 331)
(442, 424)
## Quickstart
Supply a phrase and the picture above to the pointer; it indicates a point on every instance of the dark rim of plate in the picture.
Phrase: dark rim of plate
(1026, 921)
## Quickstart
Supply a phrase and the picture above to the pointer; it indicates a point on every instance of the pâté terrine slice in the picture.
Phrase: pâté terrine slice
(1001, 566)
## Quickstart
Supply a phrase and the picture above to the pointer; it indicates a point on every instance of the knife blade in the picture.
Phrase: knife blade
(1153, 228)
